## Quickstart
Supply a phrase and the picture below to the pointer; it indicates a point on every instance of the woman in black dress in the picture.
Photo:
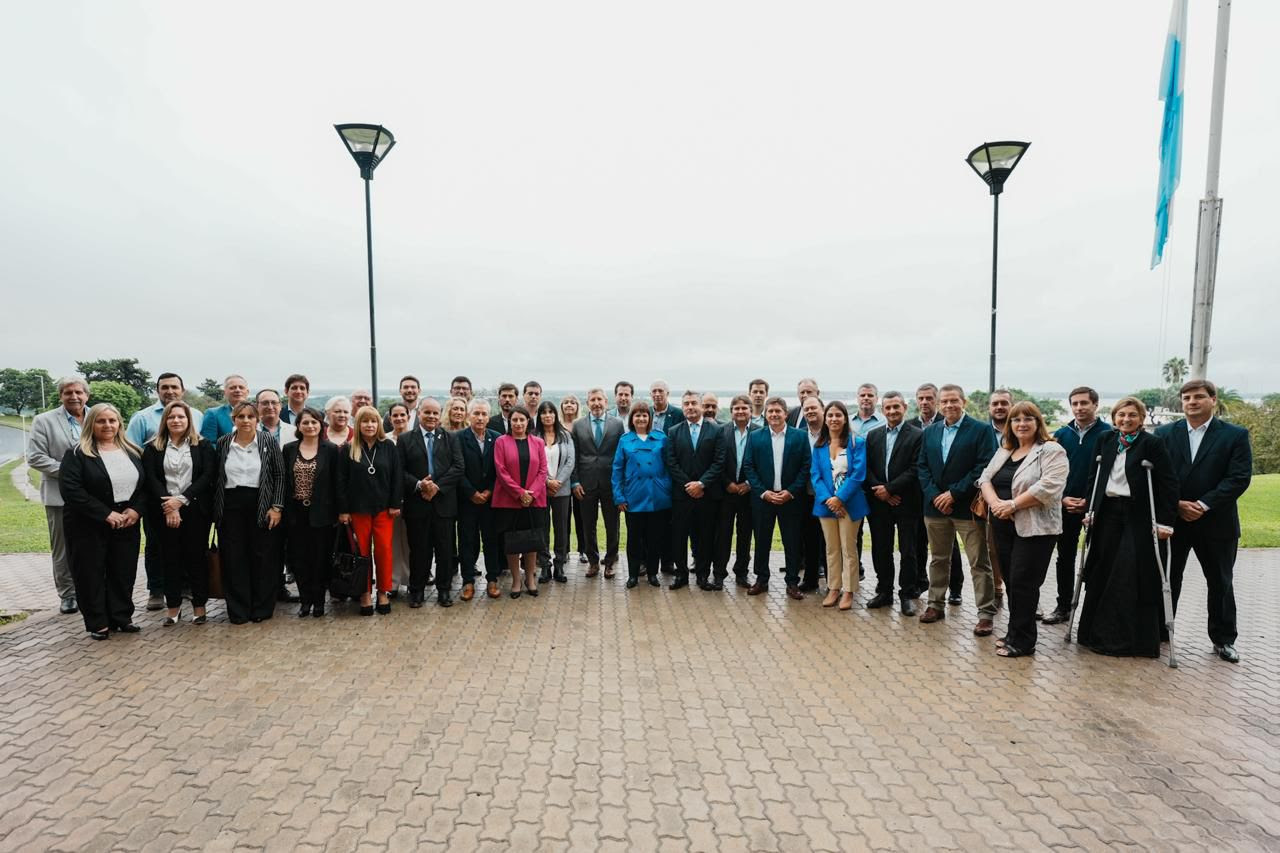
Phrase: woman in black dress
(1122, 610)
(310, 508)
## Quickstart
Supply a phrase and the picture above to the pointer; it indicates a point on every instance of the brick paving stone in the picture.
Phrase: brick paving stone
(612, 734)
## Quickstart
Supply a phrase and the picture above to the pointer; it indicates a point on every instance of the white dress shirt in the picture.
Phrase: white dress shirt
(177, 469)
(243, 467)
(1195, 435)
(1117, 481)
(779, 440)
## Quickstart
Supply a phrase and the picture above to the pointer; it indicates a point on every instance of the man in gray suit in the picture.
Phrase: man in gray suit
(52, 435)
(595, 439)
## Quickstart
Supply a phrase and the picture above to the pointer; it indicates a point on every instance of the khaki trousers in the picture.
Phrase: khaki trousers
(62, 580)
(973, 536)
(841, 535)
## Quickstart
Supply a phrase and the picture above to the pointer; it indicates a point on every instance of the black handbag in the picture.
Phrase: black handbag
(524, 541)
(351, 572)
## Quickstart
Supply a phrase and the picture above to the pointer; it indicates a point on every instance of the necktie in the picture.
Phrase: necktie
(599, 429)
(431, 453)
(693, 435)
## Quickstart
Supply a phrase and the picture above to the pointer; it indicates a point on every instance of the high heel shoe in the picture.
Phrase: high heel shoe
(531, 585)
(200, 619)
(383, 609)
(366, 610)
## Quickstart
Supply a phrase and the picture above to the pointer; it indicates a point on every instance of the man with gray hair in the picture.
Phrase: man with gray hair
(217, 421)
(53, 433)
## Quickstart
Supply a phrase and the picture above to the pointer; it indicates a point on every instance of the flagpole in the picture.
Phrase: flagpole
(1210, 224)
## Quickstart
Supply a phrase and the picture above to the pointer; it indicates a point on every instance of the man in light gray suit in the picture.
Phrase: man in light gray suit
(595, 440)
(53, 433)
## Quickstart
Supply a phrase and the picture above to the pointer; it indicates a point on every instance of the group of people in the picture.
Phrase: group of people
(430, 487)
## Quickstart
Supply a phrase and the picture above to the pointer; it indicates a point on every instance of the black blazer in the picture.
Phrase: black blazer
(412, 447)
(498, 425)
(730, 440)
(1219, 475)
(204, 469)
(795, 419)
(270, 477)
(686, 464)
(972, 449)
(365, 493)
(667, 421)
(902, 480)
(478, 471)
(1145, 447)
(323, 511)
(86, 486)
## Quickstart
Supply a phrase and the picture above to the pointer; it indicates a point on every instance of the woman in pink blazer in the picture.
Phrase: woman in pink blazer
(520, 500)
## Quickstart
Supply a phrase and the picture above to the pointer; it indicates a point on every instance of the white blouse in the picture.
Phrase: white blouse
(244, 466)
(1117, 481)
(121, 470)
(553, 460)
(177, 469)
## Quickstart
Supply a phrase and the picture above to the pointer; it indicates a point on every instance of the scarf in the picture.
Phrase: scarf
(1126, 441)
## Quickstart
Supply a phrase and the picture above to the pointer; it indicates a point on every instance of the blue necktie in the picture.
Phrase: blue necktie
(599, 430)
(431, 454)
(693, 435)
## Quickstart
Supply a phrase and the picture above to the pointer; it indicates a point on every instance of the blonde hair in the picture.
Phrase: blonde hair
(570, 398)
(366, 413)
(162, 437)
(449, 405)
(1130, 401)
(1025, 407)
(89, 445)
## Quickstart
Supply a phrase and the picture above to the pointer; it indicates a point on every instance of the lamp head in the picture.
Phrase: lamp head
(995, 161)
(368, 144)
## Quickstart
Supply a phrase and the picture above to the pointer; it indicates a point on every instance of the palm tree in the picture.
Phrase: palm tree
(1229, 401)
(1174, 371)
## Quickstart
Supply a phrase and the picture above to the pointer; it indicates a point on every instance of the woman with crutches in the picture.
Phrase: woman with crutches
(1122, 609)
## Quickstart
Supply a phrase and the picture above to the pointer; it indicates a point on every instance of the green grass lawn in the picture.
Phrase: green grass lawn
(1260, 513)
(22, 524)
(14, 421)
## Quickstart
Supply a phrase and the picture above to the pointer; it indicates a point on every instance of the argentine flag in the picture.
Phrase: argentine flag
(1171, 129)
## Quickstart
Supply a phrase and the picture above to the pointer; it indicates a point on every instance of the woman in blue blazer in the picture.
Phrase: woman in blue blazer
(839, 466)
(642, 490)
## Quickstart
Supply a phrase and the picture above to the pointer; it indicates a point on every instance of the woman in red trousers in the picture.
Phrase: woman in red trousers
(369, 497)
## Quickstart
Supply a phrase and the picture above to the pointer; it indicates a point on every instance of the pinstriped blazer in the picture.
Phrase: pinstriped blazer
(270, 477)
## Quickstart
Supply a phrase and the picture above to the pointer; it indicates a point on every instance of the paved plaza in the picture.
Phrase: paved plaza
(591, 718)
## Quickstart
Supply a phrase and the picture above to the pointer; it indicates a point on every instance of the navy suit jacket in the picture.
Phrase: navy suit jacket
(731, 453)
(704, 464)
(669, 419)
(974, 445)
(478, 471)
(1219, 475)
(447, 460)
(757, 467)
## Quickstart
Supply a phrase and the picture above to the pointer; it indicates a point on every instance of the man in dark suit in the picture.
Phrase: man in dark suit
(595, 440)
(1214, 464)
(777, 468)
(475, 491)
(694, 455)
(893, 495)
(927, 406)
(814, 550)
(501, 422)
(735, 505)
(805, 388)
(953, 453)
(431, 462)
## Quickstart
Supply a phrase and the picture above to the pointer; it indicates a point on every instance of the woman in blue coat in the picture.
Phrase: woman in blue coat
(838, 468)
(642, 490)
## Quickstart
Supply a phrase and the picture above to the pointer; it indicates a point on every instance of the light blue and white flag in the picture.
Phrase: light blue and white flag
(1171, 129)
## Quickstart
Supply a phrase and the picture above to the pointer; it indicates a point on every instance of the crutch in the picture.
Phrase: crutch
(1084, 552)
(1164, 569)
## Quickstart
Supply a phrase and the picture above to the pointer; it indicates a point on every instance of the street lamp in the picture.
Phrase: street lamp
(994, 162)
(368, 145)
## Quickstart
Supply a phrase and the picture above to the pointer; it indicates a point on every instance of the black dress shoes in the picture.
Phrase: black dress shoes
(653, 581)
(127, 629)
(808, 587)
(632, 583)
(317, 611)
(1056, 617)
(715, 586)
(679, 583)
(741, 580)
(102, 634)
(558, 575)
(908, 607)
(416, 598)
(1227, 651)
(68, 605)
(955, 599)
(444, 599)
(304, 610)
(880, 599)
(544, 576)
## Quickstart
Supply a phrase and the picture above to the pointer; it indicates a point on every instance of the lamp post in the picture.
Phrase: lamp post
(994, 162)
(368, 145)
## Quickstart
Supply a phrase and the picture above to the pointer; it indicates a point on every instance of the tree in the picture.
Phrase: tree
(1229, 401)
(24, 390)
(211, 388)
(123, 370)
(1174, 372)
(118, 394)
(1153, 398)
(976, 405)
(1263, 423)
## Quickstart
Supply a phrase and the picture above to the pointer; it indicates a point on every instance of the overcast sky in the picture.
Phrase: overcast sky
(585, 191)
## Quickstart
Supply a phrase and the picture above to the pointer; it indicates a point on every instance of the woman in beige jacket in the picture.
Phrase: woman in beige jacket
(1023, 488)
